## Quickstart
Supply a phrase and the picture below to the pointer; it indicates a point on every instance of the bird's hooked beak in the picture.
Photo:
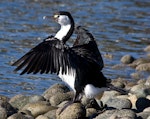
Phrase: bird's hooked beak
(54, 17)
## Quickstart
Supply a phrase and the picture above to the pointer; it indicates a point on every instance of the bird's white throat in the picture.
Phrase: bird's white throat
(63, 31)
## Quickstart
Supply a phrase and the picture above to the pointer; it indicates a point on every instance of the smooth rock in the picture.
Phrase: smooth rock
(142, 103)
(90, 112)
(38, 108)
(140, 90)
(19, 101)
(147, 109)
(20, 116)
(73, 111)
(127, 59)
(57, 88)
(41, 117)
(105, 115)
(109, 94)
(60, 97)
(118, 103)
(36, 98)
(123, 114)
(143, 67)
(3, 113)
(147, 83)
(51, 114)
(143, 115)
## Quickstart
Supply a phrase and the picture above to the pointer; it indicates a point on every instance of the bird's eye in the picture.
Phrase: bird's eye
(56, 16)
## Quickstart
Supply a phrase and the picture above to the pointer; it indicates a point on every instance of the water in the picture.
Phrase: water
(120, 27)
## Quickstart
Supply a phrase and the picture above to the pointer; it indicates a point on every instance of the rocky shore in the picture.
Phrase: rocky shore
(134, 105)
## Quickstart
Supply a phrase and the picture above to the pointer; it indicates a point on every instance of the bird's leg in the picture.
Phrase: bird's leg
(76, 98)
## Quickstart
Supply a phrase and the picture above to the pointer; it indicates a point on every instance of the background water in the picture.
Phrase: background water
(119, 26)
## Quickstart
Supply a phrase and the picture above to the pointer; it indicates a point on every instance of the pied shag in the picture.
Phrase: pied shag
(79, 66)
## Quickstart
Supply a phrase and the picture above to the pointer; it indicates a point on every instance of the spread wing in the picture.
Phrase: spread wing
(46, 57)
(86, 46)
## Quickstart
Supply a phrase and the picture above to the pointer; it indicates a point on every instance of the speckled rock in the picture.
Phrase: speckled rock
(9, 109)
(41, 117)
(60, 97)
(108, 94)
(127, 59)
(38, 108)
(20, 116)
(140, 90)
(119, 103)
(3, 113)
(142, 103)
(90, 112)
(57, 88)
(139, 61)
(19, 101)
(74, 111)
(123, 114)
(51, 114)
(143, 67)
(35, 98)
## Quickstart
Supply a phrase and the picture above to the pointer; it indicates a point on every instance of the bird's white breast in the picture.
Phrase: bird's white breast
(69, 77)
(91, 91)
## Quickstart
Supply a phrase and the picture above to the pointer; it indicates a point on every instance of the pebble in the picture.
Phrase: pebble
(127, 59)
(73, 111)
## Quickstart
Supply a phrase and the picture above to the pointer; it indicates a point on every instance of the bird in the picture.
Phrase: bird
(79, 65)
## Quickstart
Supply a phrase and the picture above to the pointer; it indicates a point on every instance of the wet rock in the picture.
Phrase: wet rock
(123, 114)
(136, 75)
(4, 98)
(57, 88)
(60, 97)
(3, 113)
(74, 111)
(142, 103)
(38, 108)
(119, 103)
(20, 116)
(140, 90)
(147, 49)
(119, 84)
(19, 101)
(143, 67)
(127, 59)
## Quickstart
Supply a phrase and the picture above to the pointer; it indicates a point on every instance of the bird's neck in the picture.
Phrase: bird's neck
(65, 32)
